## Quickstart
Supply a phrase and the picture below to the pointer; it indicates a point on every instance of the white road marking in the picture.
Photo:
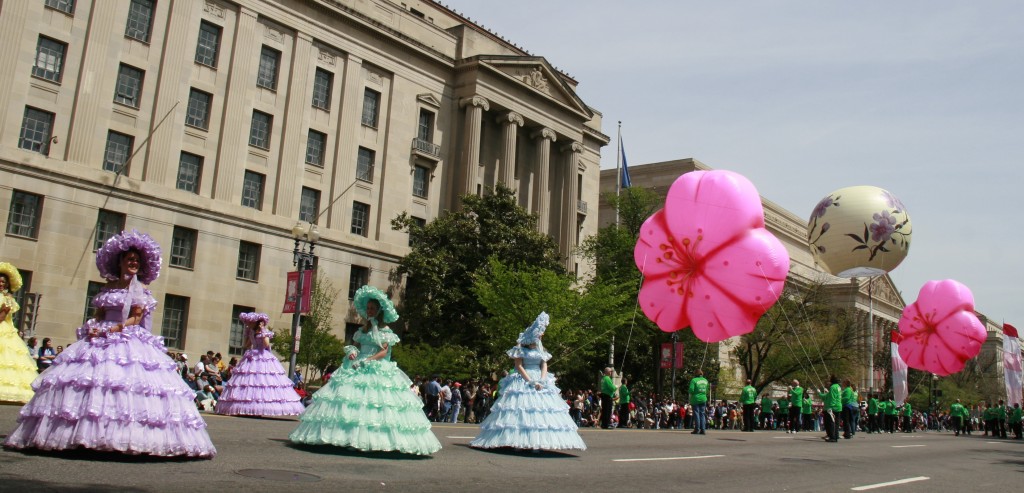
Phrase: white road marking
(906, 446)
(466, 438)
(890, 483)
(668, 458)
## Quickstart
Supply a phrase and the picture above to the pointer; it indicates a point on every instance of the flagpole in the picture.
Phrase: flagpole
(618, 172)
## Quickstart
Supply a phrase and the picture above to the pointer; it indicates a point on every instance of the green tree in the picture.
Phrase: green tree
(802, 336)
(319, 348)
(514, 296)
(449, 253)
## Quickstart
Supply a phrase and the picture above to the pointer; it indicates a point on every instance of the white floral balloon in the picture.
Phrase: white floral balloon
(859, 231)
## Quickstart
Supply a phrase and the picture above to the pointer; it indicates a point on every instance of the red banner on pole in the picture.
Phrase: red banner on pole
(292, 292)
(666, 355)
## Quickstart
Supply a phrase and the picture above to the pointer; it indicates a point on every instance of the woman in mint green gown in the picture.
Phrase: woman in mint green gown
(367, 404)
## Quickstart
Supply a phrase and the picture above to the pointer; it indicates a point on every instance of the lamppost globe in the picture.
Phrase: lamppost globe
(313, 234)
(298, 231)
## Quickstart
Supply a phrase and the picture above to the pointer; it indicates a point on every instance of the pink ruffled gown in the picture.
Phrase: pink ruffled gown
(258, 385)
(117, 392)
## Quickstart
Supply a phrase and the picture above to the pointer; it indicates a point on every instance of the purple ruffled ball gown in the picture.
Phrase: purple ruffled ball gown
(258, 385)
(117, 392)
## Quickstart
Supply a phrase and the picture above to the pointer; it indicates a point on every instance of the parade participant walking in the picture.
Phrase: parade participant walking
(529, 413)
(699, 402)
(608, 391)
(874, 414)
(116, 389)
(807, 411)
(908, 418)
(1015, 421)
(890, 415)
(957, 412)
(766, 412)
(17, 366)
(367, 404)
(833, 401)
(796, 403)
(848, 409)
(624, 401)
(258, 385)
(748, 397)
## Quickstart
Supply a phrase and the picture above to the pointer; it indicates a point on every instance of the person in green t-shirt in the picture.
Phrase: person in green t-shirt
(957, 412)
(832, 399)
(699, 402)
(766, 412)
(890, 415)
(748, 396)
(807, 412)
(908, 415)
(1015, 421)
(846, 400)
(796, 403)
(874, 414)
(1000, 430)
(624, 399)
(608, 391)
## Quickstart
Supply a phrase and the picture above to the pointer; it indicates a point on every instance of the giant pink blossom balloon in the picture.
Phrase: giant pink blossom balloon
(708, 261)
(940, 330)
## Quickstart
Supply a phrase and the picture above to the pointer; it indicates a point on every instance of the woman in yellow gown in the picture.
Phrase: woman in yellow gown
(17, 368)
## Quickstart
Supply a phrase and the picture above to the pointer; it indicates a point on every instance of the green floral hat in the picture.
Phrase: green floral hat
(367, 293)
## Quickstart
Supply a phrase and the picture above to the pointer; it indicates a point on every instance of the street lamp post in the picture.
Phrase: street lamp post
(302, 257)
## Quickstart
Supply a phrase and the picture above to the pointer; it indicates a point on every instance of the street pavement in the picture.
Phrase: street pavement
(254, 455)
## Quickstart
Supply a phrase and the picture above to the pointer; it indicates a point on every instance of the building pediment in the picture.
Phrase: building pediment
(429, 99)
(883, 289)
(537, 75)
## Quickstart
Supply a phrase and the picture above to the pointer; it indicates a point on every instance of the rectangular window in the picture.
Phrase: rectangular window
(236, 339)
(66, 6)
(360, 218)
(49, 59)
(266, 77)
(248, 261)
(358, 277)
(364, 164)
(183, 247)
(322, 83)
(208, 44)
(420, 181)
(140, 20)
(108, 224)
(190, 170)
(252, 190)
(259, 129)
(309, 205)
(371, 107)
(90, 293)
(26, 210)
(316, 147)
(174, 321)
(129, 85)
(425, 131)
(198, 109)
(119, 147)
(419, 223)
(36, 131)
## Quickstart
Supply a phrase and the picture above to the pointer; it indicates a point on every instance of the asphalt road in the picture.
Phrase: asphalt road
(254, 455)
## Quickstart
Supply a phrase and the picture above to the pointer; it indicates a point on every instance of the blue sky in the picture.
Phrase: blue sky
(922, 98)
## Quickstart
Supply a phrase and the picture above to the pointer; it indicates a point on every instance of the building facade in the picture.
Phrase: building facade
(215, 126)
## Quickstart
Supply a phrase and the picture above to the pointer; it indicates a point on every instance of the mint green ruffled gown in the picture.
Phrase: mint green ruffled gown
(368, 405)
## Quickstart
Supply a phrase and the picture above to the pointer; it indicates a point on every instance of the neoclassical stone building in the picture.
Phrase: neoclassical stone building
(216, 125)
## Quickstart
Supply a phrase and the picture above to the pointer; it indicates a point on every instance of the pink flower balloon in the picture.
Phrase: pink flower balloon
(940, 331)
(707, 259)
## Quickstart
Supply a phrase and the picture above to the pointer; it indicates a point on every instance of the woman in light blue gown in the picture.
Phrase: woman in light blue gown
(530, 412)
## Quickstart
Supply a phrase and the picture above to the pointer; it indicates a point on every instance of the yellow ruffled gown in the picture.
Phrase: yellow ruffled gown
(17, 368)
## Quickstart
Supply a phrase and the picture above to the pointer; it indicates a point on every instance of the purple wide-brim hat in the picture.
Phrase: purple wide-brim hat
(254, 318)
(108, 257)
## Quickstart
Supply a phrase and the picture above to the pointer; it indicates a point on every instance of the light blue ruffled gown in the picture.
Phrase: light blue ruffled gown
(368, 405)
(524, 417)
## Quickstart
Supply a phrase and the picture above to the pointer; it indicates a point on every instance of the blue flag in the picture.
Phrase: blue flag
(625, 169)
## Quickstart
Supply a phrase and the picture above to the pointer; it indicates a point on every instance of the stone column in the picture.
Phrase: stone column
(511, 121)
(291, 163)
(233, 147)
(12, 27)
(92, 98)
(570, 196)
(475, 107)
(542, 192)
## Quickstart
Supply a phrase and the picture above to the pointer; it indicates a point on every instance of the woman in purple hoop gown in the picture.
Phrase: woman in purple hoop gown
(258, 385)
(115, 389)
